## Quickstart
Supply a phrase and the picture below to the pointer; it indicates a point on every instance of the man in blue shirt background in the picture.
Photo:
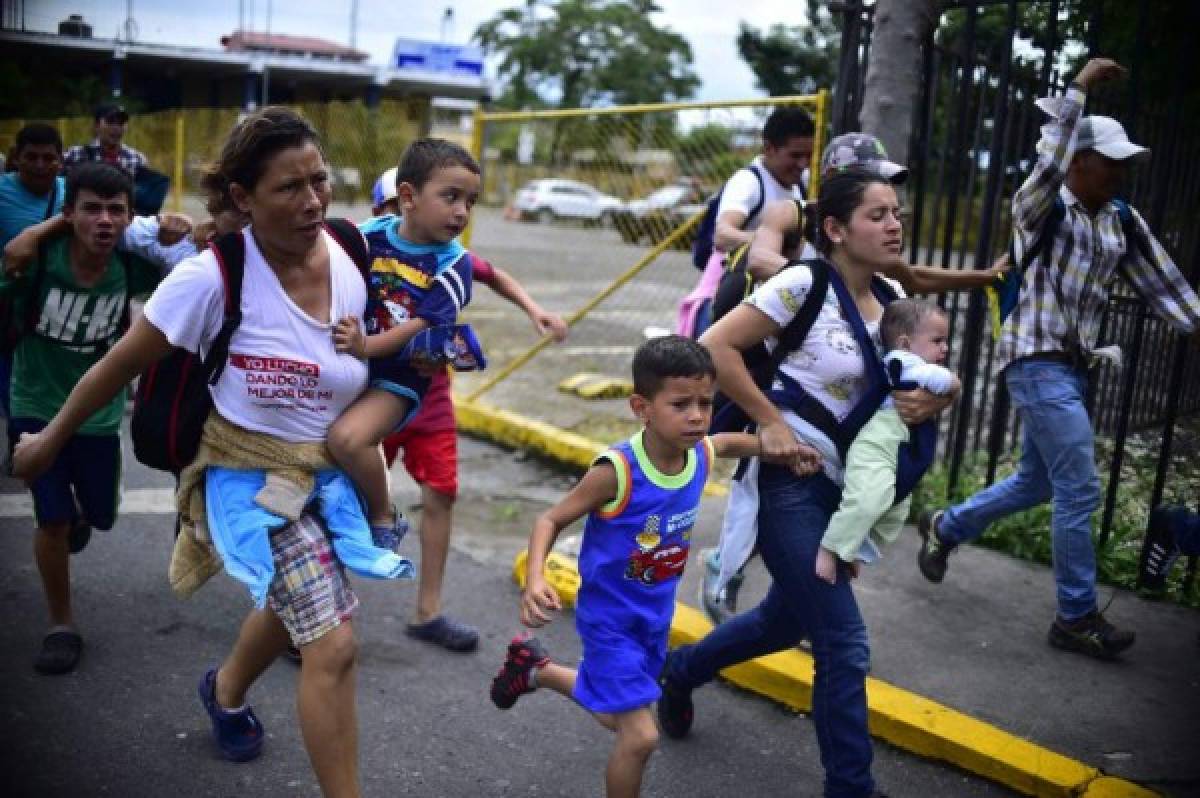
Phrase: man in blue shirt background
(31, 193)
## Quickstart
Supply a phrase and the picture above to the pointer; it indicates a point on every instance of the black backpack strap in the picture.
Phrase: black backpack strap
(350, 239)
(1134, 240)
(53, 201)
(762, 194)
(1041, 244)
(230, 251)
(792, 336)
(33, 304)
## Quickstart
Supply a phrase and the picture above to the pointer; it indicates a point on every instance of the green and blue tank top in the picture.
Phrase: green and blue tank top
(636, 546)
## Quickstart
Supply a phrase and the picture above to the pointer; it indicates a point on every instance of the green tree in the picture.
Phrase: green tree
(585, 53)
(49, 96)
(795, 59)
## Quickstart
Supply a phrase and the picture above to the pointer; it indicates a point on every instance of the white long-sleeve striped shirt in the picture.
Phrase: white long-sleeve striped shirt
(1083, 256)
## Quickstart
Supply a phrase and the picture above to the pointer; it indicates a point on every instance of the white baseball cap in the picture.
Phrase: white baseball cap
(1106, 136)
(384, 188)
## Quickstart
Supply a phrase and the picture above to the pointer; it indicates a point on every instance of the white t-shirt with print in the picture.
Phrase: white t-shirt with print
(828, 365)
(741, 193)
(283, 376)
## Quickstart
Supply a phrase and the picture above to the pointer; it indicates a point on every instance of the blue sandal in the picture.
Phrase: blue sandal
(239, 735)
(446, 632)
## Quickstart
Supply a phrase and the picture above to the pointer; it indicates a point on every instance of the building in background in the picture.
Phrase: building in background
(249, 70)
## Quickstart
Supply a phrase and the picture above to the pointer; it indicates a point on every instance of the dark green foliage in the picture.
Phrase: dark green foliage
(793, 59)
(26, 96)
(587, 53)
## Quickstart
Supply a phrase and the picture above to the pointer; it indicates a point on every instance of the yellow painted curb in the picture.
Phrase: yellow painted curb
(904, 719)
(588, 385)
(1109, 787)
(521, 432)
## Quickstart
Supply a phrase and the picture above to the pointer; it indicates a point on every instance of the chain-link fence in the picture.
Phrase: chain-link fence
(359, 142)
(594, 211)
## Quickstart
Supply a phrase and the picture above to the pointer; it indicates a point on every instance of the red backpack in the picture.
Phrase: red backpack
(173, 401)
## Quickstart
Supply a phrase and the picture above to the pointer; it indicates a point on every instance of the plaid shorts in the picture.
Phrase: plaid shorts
(310, 592)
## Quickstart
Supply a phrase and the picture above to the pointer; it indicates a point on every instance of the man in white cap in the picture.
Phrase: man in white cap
(1047, 345)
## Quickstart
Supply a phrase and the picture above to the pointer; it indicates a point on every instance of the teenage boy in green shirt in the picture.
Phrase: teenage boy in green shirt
(75, 301)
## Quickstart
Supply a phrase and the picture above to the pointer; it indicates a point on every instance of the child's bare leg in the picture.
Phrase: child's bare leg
(637, 737)
(50, 550)
(436, 521)
(561, 680)
(354, 443)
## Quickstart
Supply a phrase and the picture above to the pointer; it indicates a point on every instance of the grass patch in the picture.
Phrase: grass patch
(1027, 534)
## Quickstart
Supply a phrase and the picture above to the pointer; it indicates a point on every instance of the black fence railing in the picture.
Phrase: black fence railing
(971, 145)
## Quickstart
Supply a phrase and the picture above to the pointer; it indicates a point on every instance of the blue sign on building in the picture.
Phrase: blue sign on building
(464, 59)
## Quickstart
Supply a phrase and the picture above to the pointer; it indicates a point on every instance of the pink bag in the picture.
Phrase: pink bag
(699, 301)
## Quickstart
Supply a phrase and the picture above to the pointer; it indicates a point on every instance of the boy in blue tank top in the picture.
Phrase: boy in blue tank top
(420, 281)
(641, 498)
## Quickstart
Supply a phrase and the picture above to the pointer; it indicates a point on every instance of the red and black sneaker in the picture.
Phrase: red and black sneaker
(512, 682)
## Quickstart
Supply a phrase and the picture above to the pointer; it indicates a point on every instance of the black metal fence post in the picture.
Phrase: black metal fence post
(976, 310)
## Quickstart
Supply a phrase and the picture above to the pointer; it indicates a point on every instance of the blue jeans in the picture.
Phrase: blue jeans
(792, 517)
(1058, 462)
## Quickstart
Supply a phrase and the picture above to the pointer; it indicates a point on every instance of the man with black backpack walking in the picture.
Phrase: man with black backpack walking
(736, 211)
(71, 305)
(1049, 341)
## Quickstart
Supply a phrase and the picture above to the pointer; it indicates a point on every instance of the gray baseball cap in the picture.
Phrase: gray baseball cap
(861, 152)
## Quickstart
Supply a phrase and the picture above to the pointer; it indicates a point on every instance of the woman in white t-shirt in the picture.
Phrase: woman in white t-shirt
(283, 380)
(860, 232)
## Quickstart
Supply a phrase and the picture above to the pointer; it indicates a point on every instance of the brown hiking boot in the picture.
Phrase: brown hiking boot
(1091, 635)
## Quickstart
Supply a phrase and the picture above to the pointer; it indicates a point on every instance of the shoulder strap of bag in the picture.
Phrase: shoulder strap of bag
(1134, 240)
(793, 335)
(1041, 243)
(53, 201)
(33, 303)
(350, 239)
(230, 251)
(762, 194)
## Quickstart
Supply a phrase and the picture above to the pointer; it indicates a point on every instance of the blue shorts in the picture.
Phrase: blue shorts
(619, 671)
(87, 471)
(400, 379)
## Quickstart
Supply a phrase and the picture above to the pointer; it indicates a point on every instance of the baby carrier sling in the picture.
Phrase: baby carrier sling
(915, 456)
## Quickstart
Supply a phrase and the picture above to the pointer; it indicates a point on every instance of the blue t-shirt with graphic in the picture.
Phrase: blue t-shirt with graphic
(427, 281)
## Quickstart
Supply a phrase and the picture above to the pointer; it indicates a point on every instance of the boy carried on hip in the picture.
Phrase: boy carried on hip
(420, 281)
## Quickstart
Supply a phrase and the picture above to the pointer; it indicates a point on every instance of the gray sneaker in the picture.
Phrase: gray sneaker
(719, 604)
(932, 557)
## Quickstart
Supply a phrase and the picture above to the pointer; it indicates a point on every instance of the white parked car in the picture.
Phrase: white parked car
(554, 198)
